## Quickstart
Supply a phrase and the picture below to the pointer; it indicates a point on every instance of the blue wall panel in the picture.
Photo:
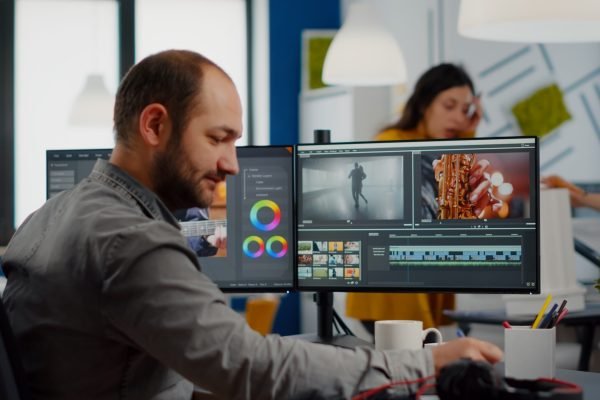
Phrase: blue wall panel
(287, 20)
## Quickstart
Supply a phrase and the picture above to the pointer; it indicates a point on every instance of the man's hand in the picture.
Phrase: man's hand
(219, 238)
(465, 348)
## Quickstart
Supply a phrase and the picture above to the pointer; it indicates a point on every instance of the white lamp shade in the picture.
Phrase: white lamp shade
(531, 21)
(363, 53)
(94, 104)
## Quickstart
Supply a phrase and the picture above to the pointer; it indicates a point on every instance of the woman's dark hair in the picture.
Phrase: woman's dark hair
(172, 78)
(434, 81)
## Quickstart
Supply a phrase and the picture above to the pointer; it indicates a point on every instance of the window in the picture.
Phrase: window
(60, 44)
(213, 28)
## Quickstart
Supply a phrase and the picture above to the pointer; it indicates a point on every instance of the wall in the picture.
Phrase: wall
(505, 73)
(287, 19)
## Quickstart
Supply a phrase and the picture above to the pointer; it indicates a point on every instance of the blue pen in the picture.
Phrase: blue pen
(460, 333)
(557, 314)
(546, 321)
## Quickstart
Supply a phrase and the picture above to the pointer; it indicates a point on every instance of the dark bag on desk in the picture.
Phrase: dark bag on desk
(467, 379)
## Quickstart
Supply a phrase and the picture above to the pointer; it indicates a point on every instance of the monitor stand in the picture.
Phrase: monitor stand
(324, 300)
(324, 333)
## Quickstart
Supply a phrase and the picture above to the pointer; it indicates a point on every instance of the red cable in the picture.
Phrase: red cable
(365, 395)
(565, 385)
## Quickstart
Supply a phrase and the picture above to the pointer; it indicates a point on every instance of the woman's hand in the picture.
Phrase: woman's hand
(475, 116)
(576, 193)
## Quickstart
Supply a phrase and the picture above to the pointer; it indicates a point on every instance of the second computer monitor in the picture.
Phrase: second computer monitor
(258, 206)
(253, 210)
(450, 215)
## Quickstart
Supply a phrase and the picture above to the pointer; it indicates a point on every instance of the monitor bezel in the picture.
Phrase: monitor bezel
(293, 240)
(433, 289)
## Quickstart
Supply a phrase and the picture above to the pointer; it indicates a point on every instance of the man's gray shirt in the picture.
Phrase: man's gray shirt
(108, 302)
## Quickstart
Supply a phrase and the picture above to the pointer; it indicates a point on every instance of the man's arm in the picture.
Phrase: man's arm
(179, 316)
(209, 245)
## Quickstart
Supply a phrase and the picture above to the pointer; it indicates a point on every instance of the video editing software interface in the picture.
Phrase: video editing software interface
(254, 208)
(438, 215)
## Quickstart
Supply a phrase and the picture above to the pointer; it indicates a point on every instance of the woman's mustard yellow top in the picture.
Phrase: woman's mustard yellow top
(426, 307)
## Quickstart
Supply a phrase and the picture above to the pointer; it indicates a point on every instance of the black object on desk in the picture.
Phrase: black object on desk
(586, 233)
(584, 321)
(471, 384)
(469, 379)
(587, 252)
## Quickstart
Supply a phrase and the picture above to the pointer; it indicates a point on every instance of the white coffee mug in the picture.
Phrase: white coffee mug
(402, 334)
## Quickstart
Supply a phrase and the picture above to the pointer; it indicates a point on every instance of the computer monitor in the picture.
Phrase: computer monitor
(255, 208)
(66, 168)
(398, 216)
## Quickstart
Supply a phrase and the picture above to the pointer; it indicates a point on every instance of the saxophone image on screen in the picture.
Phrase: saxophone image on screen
(469, 187)
(452, 177)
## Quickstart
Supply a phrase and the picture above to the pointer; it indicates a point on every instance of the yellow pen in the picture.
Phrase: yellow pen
(538, 319)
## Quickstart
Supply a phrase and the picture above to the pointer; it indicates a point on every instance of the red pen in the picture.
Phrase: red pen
(506, 325)
(562, 315)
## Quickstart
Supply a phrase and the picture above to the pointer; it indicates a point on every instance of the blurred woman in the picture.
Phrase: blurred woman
(443, 106)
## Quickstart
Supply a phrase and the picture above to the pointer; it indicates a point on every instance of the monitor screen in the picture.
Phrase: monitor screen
(438, 215)
(253, 210)
(66, 168)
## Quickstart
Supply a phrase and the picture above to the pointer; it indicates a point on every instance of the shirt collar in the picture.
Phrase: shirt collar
(146, 199)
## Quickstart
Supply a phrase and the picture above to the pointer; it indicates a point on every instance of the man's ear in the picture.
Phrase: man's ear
(153, 124)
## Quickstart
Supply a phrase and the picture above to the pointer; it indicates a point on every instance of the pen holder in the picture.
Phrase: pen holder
(529, 353)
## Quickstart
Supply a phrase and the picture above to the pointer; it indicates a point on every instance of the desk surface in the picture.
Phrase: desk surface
(589, 381)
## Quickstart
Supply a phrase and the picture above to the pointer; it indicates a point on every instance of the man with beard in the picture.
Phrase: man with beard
(107, 300)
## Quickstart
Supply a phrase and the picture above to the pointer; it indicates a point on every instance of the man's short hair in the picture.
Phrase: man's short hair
(172, 78)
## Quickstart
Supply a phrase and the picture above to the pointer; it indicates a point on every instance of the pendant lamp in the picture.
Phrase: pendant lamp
(363, 52)
(531, 21)
(94, 104)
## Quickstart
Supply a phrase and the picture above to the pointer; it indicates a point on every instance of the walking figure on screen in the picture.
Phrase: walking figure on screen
(357, 175)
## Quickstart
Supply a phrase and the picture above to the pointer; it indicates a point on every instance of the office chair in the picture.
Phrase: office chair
(12, 376)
